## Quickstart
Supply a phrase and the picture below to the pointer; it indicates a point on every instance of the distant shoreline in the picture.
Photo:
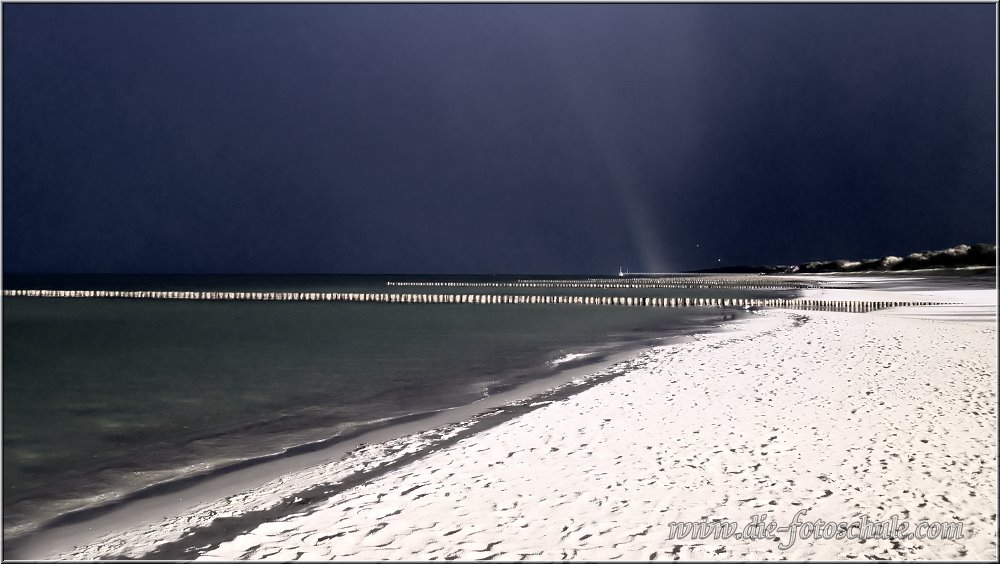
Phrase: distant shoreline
(982, 255)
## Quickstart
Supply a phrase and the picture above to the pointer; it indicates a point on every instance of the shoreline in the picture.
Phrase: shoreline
(178, 495)
(835, 395)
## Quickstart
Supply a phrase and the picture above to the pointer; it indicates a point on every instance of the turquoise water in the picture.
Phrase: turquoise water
(110, 395)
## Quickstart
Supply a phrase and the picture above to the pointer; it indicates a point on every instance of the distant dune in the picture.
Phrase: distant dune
(983, 254)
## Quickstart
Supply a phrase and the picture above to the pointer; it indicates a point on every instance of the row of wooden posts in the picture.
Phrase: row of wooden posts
(469, 299)
(603, 285)
(709, 280)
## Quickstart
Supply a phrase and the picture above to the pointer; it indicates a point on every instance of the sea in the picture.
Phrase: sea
(105, 397)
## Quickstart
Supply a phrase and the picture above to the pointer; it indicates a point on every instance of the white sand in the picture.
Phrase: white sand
(844, 415)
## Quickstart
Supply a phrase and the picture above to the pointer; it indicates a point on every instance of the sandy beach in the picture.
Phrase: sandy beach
(828, 415)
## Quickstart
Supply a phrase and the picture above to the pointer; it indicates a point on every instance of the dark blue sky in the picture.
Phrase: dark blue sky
(491, 138)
